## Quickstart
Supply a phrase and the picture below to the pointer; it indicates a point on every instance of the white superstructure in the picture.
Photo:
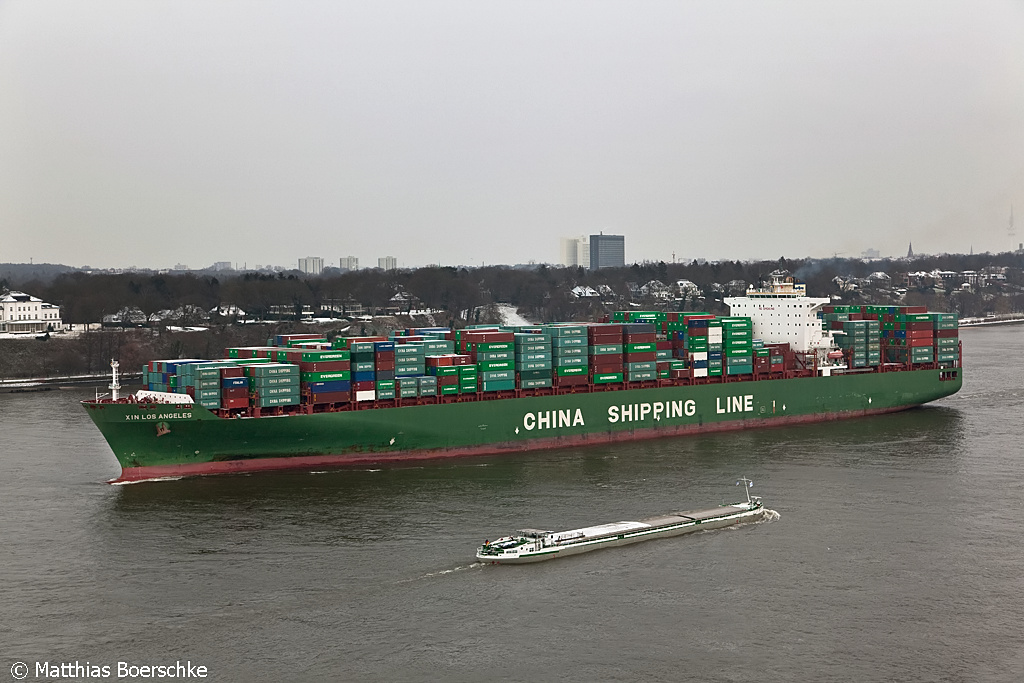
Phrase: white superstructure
(782, 312)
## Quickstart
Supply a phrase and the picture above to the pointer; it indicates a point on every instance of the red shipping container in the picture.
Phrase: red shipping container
(368, 385)
(640, 357)
(232, 372)
(350, 340)
(461, 359)
(919, 325)
(379, 356)
(640, 337)
(599, 339)
(921, 341)
(614, 329)
(447, 380)
(235, 392)
(233, 403)
(947, 333)
(697, 332)
(570, 381)
(439, 361)
(663, 345)
(919, 334)
(605, 368)
(330, 397)
(386, 364)
(488, 337)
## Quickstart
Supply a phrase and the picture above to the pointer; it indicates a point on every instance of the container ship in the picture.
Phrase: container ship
(301, 402)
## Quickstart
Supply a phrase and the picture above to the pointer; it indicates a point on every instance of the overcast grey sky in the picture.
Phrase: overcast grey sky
(155, 133)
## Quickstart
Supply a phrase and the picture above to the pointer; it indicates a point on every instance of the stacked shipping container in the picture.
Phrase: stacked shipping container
(423, 362)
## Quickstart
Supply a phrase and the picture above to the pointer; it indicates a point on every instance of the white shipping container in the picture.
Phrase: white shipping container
(366, 395)
(699, 355)
(700, 372)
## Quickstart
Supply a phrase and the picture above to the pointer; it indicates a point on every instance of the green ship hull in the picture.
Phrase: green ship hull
(153, 441)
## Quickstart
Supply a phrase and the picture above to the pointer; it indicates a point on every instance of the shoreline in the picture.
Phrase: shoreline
(36, 384)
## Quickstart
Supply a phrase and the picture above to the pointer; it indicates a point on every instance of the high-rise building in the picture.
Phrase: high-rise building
(607, 251)
(311, 265)
(576, 251)
(222, 265)
(387, 263)
(348, 263)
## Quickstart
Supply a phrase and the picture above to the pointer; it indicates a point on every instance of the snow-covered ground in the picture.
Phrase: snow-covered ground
(510, 316)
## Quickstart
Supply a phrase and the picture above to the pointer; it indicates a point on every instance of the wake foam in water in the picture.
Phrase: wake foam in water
(442, 572)
(769, 516)
(142, 481)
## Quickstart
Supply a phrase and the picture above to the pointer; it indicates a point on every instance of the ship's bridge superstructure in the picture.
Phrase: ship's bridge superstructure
(782, 312)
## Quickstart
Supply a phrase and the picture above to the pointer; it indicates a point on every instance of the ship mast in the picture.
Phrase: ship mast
(115, 386)
(746, 487)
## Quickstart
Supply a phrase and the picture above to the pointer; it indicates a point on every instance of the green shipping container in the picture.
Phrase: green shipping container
(496, 365)
(495, 355)
(261, 382)
(533, 355)
(498, 385)
(488, 347)
(642, 375)
(568, 342)
(498, 376)
(534, 374)
(608, 378)
(271, 401)
(603, 349)
(278, 391)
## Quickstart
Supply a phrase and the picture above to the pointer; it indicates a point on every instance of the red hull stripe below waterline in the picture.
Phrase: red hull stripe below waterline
(307, 462)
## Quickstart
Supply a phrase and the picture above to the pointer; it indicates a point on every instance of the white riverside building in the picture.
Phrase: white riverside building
(21, 312)
(782, 312)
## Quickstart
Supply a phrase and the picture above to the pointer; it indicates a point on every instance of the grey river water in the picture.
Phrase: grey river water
(898, 555)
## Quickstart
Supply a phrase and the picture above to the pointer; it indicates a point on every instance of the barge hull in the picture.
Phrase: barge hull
(629, 538)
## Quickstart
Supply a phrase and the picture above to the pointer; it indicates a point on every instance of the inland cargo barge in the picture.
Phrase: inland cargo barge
(780, 358)
(535, 545)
